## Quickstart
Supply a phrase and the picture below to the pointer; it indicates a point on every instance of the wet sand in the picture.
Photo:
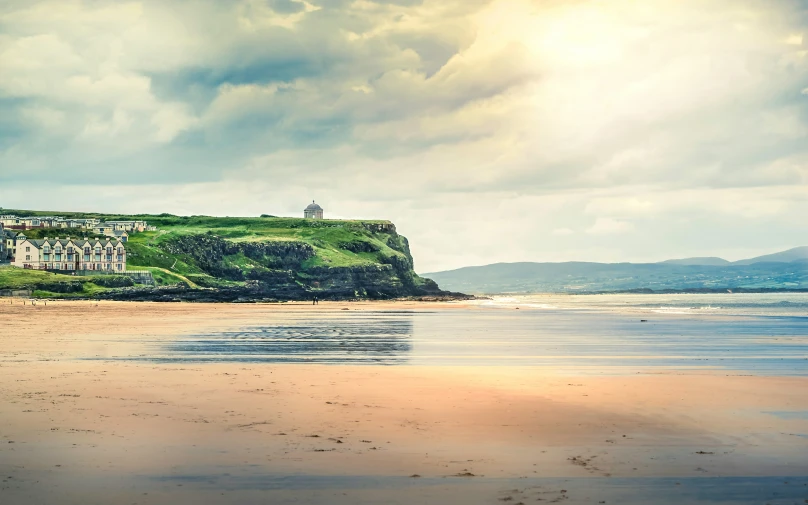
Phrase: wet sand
(79, 430)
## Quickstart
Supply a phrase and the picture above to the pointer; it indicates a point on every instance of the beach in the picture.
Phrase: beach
(98, 400)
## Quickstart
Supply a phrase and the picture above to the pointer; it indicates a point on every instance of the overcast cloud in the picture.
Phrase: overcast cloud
(500, 130)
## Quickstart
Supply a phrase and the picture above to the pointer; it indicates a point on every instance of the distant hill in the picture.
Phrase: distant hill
(710, 261)
(785, 270)
(795, 254)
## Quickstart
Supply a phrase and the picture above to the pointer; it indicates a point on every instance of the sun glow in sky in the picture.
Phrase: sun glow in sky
(501, 130)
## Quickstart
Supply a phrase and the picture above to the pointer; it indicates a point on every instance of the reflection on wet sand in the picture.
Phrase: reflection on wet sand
(577, 342)
(379, 339)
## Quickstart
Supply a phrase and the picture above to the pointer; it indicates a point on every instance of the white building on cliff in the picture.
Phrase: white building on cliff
(71, 254)
(313, 211)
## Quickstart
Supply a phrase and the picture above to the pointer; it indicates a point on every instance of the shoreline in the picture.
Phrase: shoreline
(179, 294)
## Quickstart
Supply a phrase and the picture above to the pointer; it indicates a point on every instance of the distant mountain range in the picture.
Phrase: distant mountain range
(786, 270)
(795, 254)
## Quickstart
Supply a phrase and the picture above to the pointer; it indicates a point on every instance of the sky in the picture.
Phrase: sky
(486, 130)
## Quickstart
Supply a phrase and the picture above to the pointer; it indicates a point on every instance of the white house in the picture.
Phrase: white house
(48, 221)
(22, 223)
(130, 226)
(81, 223)
(103, 229)
(10, 239)
(71, 254)
(120, 235)
(9, 221)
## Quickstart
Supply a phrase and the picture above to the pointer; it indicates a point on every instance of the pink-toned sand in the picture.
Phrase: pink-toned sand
(66, 418)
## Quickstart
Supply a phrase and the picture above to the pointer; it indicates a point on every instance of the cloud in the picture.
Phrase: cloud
(400, 79)
(504, 117)
(609, 226)
(562, 231)
(794, 39)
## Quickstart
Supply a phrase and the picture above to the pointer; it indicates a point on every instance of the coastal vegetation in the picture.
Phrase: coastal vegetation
(233, 258)
(52, 285)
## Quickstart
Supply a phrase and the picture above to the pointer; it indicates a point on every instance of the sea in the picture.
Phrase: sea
(760, 334)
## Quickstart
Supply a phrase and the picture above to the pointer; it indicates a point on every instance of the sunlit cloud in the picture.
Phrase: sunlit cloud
(609, 226)
(584, 126)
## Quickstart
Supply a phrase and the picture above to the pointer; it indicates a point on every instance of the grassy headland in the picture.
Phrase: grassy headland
(51, 285)
(264, 257)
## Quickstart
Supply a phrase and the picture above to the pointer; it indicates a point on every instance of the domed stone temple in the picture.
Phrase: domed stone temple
(313, 211)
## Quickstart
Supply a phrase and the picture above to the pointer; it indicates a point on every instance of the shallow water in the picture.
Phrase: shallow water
(732, 304)
(244, 487)
(627, 491)
(564, 340)
(803, 414)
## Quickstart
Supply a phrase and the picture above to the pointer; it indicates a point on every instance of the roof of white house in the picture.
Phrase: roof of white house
(39, 243)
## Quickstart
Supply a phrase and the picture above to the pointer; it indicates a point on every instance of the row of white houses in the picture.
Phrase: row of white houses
(71, 254)
(16, 222)
(101, 227)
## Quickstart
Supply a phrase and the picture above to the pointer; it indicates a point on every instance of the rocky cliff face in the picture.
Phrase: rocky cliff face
(293, 269)
(210, 253)
(373, 282)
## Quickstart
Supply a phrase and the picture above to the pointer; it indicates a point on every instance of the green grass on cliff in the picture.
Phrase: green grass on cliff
(328, 237)
(13, 278)
(143, 251)
(18, 278)
(327, 241)
(332, 241)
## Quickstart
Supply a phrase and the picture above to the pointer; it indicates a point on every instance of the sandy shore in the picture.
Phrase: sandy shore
(74, 430)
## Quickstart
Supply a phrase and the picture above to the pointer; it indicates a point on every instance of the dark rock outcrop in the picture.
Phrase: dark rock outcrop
(259, 292)
(113, 281)
(208, 251)
(359, 246)
(60, 287)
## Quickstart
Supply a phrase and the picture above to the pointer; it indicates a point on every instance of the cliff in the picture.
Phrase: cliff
(267, 258)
